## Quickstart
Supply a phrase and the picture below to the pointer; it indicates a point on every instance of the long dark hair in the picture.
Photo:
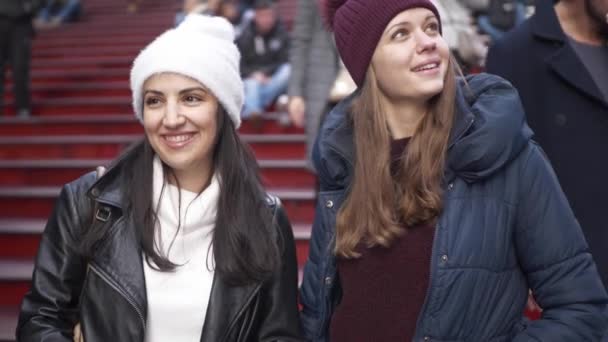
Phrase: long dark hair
(245, 247)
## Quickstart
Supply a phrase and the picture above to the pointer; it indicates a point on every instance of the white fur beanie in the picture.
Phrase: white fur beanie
(202, 48)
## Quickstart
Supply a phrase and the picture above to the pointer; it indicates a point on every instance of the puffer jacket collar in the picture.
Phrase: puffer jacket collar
(486, 135)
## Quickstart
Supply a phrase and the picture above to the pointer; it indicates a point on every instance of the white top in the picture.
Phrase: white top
(178, 300)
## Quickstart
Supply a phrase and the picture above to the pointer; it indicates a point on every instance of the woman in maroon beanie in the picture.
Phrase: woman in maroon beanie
(437, 212)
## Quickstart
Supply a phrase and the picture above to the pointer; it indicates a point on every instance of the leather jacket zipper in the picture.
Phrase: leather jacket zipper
(113, 284)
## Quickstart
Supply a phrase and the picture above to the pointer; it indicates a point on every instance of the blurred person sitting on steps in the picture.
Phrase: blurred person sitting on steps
(264, 46)
(238, 16)
(57, 12)
(209, 7)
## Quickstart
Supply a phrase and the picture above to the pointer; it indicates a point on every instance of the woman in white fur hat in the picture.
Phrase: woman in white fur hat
(178, 240)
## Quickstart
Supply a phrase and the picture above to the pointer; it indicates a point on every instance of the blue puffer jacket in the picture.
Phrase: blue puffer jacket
(506, 227)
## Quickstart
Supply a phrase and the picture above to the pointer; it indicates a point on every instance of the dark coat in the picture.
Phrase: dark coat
(275, 49)
(506, 227)
(107, 294)
(18, 9)
(567, 113)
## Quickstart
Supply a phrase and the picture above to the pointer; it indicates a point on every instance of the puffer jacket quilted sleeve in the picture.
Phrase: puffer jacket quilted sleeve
(553, 253)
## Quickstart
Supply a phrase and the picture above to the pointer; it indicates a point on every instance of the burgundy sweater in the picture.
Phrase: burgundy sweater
(384, 289)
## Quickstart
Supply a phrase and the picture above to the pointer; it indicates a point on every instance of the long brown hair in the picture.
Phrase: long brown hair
(378, 204)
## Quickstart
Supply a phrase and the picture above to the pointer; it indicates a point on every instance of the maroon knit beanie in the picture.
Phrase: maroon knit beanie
(358, 26)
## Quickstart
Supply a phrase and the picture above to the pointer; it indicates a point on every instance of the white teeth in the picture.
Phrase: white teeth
(178, 138)
(427, 67)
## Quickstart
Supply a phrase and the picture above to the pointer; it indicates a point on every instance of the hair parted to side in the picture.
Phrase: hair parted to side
(378, 205)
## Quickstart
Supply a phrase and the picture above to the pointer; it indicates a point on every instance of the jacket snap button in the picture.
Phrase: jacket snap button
(450, 186)
(329, 204)
(328, 281)
(426, 338)
(444, 258)
(95, 192)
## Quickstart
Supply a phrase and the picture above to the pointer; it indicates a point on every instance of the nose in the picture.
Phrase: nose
(425, 42)
(173, 118)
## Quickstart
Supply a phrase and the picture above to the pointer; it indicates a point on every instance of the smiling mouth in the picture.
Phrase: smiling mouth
(426, 67)
(176, 141)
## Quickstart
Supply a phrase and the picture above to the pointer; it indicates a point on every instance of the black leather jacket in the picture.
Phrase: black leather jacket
(107, 294)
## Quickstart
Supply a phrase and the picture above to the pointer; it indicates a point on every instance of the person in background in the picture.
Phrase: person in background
(459, 31)
(562, 79)
(502, 16)
(208, 7)
(437, 212)
(264, 46)
(177, 241)
(314, 63)
(16, 33)
(57, 12)
(240, 19)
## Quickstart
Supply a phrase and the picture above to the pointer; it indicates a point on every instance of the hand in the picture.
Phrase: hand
(531, 305)
(260, 77)
(78, 334)
(296, 109)
(101, 170)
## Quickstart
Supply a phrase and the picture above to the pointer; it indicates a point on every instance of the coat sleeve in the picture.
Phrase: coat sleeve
(49, 310)
(300, 46)
(553, 253)
(280, 320)
(310, 296)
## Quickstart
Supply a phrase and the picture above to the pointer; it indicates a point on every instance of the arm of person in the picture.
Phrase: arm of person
(49, 311)
(280, 322)
(310, 297)
(300, 46)
(245, 45)
(553, 253)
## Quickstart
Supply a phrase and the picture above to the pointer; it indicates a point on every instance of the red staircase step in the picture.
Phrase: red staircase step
(81, 124)
(116, 42)
(82, 62)
(85, 124)
(58, 106)
(275, 173)
(267, 146)
(68, 32)
(69, 75)
(8, 322)
(37, 202)
(52, 52)
(15, 275)
(49, 90)
(21, 237)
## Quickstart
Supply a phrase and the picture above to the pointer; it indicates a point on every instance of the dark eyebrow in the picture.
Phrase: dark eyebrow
(187, 90)
(155, 92)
